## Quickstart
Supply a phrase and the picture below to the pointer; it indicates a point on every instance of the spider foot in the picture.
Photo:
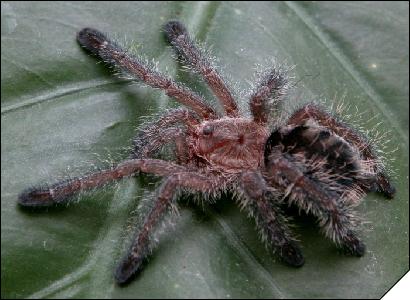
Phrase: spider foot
(128, 268)
(384, 186)
(292, 255)
(91, 39)
(352, 245)
(36, 197)
(173, 29)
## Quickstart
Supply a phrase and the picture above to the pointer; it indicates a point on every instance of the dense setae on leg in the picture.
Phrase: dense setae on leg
(269, 218)
(141, 245)
(270, 89)
(179, 38)
(98, 44)
(145, 147)
(321, 173)
(61, 192)
(336, 218)
(153, 136)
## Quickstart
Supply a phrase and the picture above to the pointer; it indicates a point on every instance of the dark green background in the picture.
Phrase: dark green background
(61, 112)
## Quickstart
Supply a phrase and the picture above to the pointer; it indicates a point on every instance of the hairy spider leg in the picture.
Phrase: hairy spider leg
(336, 219)
(61, 192)
(312, 111)
(184, 46)
(153, 135)
(139, 250)
(147, 148)
(269, 218)
(98, 44)
(267, 95)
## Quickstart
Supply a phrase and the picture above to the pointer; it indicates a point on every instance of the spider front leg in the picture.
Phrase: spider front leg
(61, 192)
(98, 44)
(311, 111)
(184, 46)
(146, 147)
(152, 136)
(141, 245)
(336, 218)
(269, 219)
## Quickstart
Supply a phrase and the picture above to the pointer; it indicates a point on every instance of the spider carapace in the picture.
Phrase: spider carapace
(312, 160)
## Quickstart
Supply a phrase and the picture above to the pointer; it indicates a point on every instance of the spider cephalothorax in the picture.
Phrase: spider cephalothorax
(313, 160)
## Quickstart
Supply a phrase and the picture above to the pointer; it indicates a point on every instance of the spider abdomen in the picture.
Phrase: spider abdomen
(323, 156)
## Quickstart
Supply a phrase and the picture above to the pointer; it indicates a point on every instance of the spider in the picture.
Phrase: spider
(313, 160)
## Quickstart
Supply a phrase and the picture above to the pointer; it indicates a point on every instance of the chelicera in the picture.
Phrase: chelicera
(313, 160)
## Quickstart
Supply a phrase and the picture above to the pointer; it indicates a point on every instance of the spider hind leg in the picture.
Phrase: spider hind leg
(321, 174)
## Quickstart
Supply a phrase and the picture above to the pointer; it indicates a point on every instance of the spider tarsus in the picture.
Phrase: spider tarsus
(292, 255)
(385, 187)
(173, 29)
(92, 39)
(127, 269)
(352, 245)
(36, 197)
(389, 193)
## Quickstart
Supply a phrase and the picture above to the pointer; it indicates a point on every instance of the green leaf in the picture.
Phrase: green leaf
(61, 111)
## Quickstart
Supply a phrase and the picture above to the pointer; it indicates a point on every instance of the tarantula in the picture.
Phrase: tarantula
(313, 161)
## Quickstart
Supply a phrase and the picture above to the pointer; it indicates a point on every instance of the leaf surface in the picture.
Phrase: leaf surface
(61, 112)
